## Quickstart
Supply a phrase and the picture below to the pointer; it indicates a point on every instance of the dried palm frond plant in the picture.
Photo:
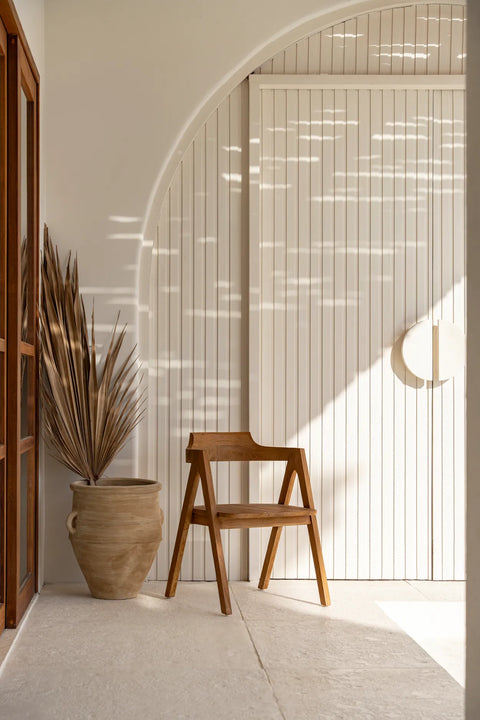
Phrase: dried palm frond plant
(90, 405)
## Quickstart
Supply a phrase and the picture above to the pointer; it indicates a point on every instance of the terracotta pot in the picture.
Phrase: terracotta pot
(115, 528)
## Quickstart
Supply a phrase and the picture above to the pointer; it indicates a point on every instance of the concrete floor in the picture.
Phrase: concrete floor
(280, 655)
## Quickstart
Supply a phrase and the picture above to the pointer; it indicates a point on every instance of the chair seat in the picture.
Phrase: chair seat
(255, 515)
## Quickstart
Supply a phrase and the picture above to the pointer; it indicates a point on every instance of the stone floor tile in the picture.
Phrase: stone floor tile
(386, 694)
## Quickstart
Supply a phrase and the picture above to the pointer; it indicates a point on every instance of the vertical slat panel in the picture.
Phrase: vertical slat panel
(399, 375)
(267, 296)
(224, 171)
(351, 336)
(278, 62)
(179, 437)
(376, 327)
(388, 333)
(290, 60)
(457, 47)
(433, 35)
(314, 54)
(155, 387)
(421, 40)
(173, 405)
(398, 34)
(409, 40)
(412, 385)
(291, 313)
(328, 357)
(423, 394)
(386, 42)
(446, 442)
(339, 320)
(338, 49)
(364, 287)
(161, 262)
(303, 284)
(213, 417)
(237, 285)
(361, 60)
(458, 171)
(437, 307)
(302, 56)
(281, 394)
(349, 65)
(374, 43)
(267, 67)
(255, 314)
(316, 290)
(199, 325)
(445, 39)
(326, 47)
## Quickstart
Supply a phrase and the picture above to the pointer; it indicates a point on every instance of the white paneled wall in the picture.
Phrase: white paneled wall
(197, 325)
(199, 305)
(448, 302)
(414, 40)
(356, 239)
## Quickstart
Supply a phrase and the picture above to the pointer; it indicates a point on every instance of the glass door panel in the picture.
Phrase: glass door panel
(27, 405)
(22, 366)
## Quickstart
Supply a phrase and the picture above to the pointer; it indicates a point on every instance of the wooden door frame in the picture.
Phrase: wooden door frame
(21, 78)
(3, 319)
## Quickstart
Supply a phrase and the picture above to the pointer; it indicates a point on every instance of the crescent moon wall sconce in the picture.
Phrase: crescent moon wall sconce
(434, 351)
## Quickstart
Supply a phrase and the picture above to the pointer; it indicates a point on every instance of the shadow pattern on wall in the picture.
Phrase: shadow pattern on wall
(199, 317)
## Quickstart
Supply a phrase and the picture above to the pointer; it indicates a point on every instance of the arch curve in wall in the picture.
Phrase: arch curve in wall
(191, 336)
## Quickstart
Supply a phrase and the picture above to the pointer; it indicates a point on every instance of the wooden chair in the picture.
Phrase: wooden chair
(204, 448)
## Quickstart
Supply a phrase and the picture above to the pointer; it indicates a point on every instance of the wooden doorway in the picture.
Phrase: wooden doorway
(3, 316)
(18, 319)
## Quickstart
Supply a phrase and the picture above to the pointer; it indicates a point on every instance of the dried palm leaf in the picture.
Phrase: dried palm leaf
(90, 407)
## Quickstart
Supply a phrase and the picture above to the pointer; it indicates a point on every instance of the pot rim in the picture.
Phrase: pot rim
(119, 484)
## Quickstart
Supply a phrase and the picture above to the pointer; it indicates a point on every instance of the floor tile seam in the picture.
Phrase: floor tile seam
(420, 592)
(259, 659)
(377, 668)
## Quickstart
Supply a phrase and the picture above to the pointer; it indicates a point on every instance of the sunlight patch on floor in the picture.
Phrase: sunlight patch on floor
(438, 627)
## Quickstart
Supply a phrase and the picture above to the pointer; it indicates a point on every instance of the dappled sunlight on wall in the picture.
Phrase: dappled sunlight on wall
(362, 235)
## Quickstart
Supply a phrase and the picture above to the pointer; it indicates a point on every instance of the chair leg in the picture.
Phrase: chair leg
(183, 526)
(284, 499)
(314, 535)
(316, 546)
(270, 557)
(215, 537)
(220, 569)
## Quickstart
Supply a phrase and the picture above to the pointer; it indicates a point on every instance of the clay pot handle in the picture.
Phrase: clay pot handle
(69, 522)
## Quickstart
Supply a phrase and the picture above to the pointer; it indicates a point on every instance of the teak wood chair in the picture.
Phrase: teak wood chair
(204, 448)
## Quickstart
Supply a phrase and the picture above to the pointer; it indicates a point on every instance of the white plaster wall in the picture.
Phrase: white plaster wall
(32, 18)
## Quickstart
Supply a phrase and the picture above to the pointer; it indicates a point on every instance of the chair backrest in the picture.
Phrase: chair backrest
(227, 446)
